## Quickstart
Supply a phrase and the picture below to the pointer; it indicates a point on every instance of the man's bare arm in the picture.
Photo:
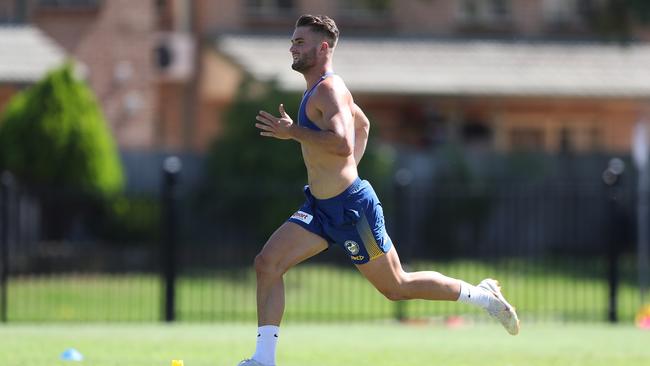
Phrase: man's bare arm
(361, 131)
(337, 136)
(283, 128)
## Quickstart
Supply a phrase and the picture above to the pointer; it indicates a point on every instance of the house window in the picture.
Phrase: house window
(527, 138)
(69, 3)
(484, 12)
(567, 12)
(350, 8)
(476, 132)
(269, 7)
(365, 16)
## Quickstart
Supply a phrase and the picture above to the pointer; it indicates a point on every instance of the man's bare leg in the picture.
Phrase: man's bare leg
(289, 245)
(387, 275)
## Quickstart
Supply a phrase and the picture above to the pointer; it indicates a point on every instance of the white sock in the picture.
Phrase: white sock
(267, 339)
(470, 294)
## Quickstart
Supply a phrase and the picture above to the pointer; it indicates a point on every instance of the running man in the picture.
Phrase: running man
(340, 208)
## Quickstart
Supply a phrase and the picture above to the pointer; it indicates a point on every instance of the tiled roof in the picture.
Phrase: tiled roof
(436, 67)
(26, 54)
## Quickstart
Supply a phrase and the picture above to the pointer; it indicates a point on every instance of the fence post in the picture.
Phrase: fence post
(611, 177)
(402, 181)
(171, 170)
(640, 156)
(6, 181)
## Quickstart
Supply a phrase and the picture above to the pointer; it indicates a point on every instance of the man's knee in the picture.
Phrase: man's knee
(267, 266)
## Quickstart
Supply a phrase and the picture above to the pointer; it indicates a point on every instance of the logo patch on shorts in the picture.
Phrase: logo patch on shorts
(302, 216)
(352, 247)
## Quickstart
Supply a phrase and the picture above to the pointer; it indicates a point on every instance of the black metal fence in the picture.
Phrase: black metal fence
(563, 252)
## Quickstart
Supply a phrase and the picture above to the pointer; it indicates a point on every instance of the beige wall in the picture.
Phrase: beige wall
(170, 132)
(596, 124)
(592, 124)
(217, 88)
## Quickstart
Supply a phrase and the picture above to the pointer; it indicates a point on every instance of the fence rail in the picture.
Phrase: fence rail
(549, 245)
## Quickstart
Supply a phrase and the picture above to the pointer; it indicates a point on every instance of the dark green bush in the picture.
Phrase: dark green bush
(53, 134)
(130, 221)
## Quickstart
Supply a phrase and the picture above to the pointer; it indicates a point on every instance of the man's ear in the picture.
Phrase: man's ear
(324, 46)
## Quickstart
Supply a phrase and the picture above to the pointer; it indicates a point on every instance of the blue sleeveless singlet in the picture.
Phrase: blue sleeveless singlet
(303, 120)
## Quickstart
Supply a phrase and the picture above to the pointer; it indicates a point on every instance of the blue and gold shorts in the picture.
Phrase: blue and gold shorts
(353, 220)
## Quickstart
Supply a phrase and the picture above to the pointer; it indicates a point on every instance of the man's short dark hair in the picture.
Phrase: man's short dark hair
(320, 24)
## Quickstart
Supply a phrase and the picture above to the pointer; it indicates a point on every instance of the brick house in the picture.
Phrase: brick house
(531, 78)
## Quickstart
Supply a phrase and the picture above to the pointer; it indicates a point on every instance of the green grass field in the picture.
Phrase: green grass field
(540, 291)
(303, 344)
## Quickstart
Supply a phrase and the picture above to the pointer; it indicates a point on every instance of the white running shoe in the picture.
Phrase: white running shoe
(251, 362)
(499, 308)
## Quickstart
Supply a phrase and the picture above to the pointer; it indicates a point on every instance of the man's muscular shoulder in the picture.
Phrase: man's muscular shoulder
(332, 90)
